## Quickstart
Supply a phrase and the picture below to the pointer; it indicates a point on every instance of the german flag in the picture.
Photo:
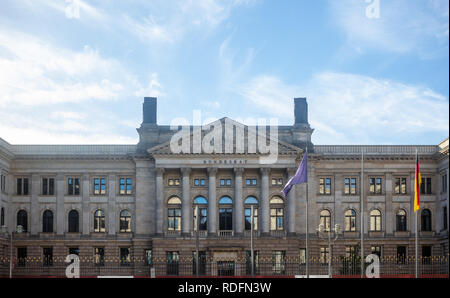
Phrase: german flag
(417, 182)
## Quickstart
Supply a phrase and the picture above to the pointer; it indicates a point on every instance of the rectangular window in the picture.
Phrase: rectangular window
(99, 186)
(199, 182)
(225, 182)
(148, 256)
(425, 187)
(125, 257)
(278, 261)
(48, 256)
(21, 256)
(375, 186)
(276, 219)
(400, 186)
(99, 256)
(277, 181)
(302, 256)
(248, 262)
(74, 251)
(324, 255)
(201, 263)
(3, 183)
(172, 262)
(445, 217)
(444, 183)
(401, 254)
(48, 186)
(350, 186)
(376, 250)
(173, 182)
(22, 186)
(426, 254)
(125, 186)
(325, 186)
(350, 252)
(73, 186)
(250, 182)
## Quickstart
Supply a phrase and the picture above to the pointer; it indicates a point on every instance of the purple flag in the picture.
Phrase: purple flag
(301, 176)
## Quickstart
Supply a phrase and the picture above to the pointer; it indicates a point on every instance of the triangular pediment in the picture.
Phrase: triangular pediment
(225, 136)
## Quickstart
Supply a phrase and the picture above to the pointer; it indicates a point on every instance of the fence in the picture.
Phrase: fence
(435, 267)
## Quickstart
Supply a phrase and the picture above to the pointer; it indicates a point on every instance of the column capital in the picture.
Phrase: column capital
(212, 171)
(160, 171)
(238, 171)
(185, 171)
(264, 171)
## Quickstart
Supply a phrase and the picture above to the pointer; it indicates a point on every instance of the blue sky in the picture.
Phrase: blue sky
(76, 71)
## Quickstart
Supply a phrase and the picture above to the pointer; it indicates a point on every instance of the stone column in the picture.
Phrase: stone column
(86, 217)
(145, 197)
(35, 227)
(291, 203)
(338, 189)
(159, 200)
(389, 221)
(186, 212)
(212, 201)
(60, 212)
(265, 216)
(238, 202)
(112, 205)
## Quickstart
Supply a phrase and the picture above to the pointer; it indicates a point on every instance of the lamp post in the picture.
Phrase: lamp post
(321, 230)
(19, 230)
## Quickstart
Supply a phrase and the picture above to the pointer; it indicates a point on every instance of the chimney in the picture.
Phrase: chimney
(301, 111)
(149, 109)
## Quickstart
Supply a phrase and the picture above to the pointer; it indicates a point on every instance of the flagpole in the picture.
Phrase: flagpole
(415, 213)
(307, 227)
(362, 212)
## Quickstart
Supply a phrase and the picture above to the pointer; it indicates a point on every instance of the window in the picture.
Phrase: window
(225, 182)
(325, 186)
(276, 214)
(250, 182)
(350, 186)
(278, 261)
(73, 186)
(174, 182)
(376, 250)
(73, 221)
(401, 220)
(148, 256)
(48, 186)
(172, 259)
(350, 251)
(277, 181)
(21, 256)
(199, 182)
(125, 221)
(201, 263)
(47, 221)
(99, 186)
(74, 251)
(174, 214)
(350, 220)
(445, 218)
(324, 255)
(425, 187)
(248, 213)
(426, 220)
(325, 219)
(248, 262)
(22, 186)
(48, 256)
(22, 220)
(2, 220)
(99, 221)
(426, 254)
(302, 256)
(401, 254)
(125, 258)
(99, 256)
(225, 214)
(125, 186)
(375, 186)
(203, 214)
(375, 220)
(2, 183)
(444, 183)
(400, 186)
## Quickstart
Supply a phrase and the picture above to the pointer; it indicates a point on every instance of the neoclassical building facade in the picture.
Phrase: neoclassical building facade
(132, 202)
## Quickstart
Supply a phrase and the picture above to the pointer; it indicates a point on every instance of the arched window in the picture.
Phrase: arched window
(325, 219)
(426, 220)
(375, 220)
(174, 214)
(248, 203)
(202, 204)
(2, 221)
(73, 221)
(401, 220)
(225, 214)
(276, 214)
(125, 221)
(350, 220)
(47, 222)
(22, 220)
(99, 221)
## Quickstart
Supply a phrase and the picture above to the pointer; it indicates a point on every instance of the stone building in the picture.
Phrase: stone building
(136, 202)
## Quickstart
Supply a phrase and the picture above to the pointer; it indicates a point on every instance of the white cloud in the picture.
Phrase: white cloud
(349, 108)
(403, 26)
